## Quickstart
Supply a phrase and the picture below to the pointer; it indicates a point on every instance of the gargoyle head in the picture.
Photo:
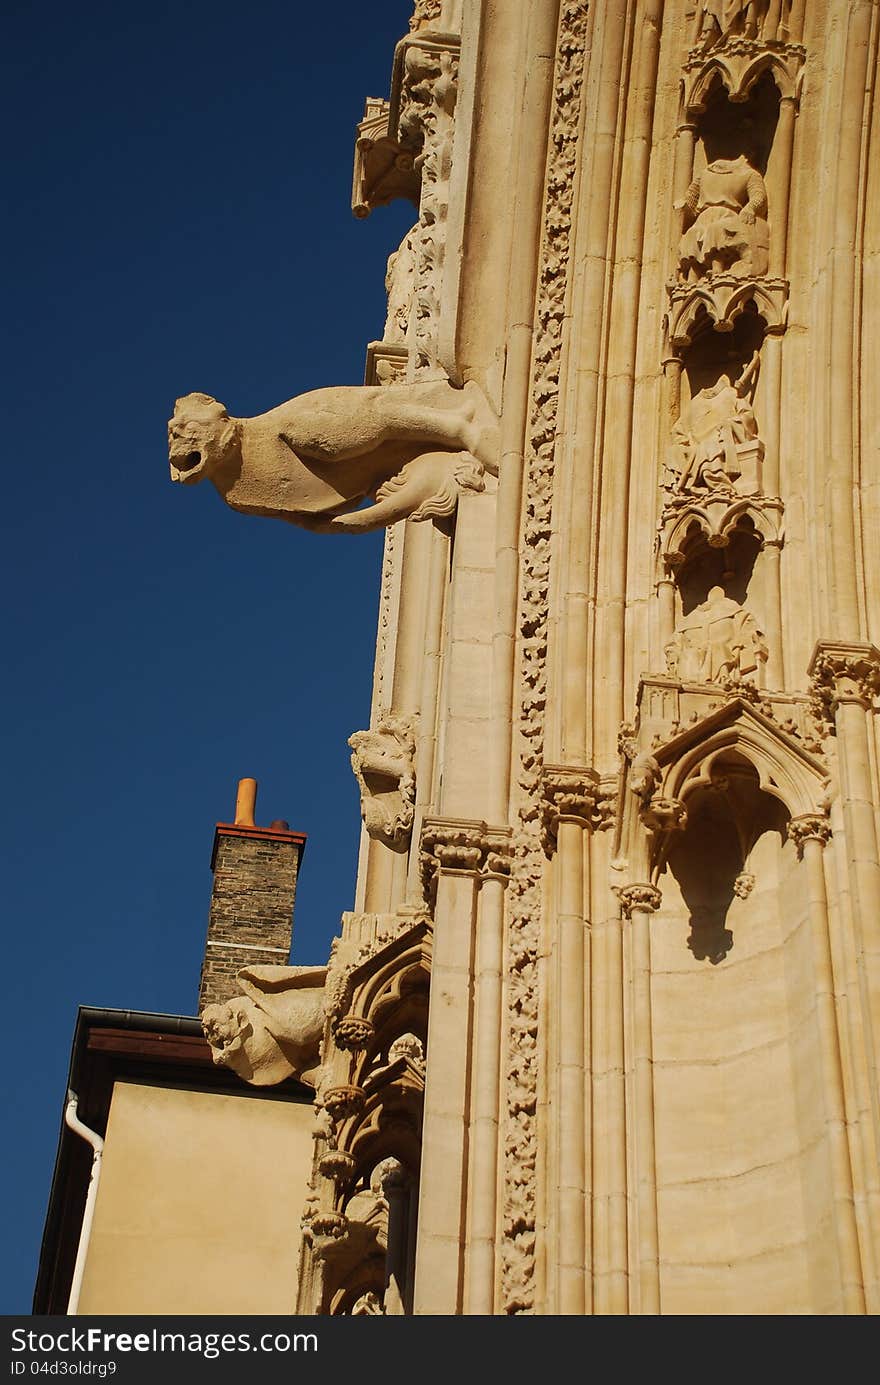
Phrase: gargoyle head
(202, 438)
(273, 1029)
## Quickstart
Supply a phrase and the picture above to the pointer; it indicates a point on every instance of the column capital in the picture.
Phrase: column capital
(809, 827)
(465, 845)
(842, 671)
(640, 897)
(574, 793)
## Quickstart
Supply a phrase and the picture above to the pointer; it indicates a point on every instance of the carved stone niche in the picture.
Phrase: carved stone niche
(723, 259)
(383, 761)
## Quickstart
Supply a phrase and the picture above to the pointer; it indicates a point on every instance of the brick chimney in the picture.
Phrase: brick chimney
(251, 918)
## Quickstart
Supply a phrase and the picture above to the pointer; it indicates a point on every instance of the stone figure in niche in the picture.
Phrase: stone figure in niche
(273, 1029)
(719, 19)
(315, 459)
(383, 761)
(715, 441)
(725, 218)
(719, 639)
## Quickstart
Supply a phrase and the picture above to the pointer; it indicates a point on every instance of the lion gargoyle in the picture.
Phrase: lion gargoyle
(273, 1029)
(314, 460)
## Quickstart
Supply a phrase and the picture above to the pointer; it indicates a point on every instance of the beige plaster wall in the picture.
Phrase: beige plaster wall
(199, 1204)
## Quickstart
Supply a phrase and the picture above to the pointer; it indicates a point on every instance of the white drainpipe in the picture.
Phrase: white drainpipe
(72, 1120)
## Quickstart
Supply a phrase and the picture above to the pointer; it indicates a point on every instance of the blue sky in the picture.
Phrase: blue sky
(179, 179)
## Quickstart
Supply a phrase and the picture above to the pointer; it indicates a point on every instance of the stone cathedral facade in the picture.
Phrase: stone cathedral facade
(600, 1033)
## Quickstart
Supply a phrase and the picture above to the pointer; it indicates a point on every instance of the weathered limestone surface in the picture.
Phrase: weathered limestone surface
(629, 376)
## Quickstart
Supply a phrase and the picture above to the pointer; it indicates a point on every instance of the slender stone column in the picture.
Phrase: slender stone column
(638, 903)
(779, 189)
(810, 833)
(846, 678)
(458, 1220)
(395, 1183)
(486, 1067)
(442, 1200)
(428, 698)
(571, 795)
(775, 670)
(840, 447)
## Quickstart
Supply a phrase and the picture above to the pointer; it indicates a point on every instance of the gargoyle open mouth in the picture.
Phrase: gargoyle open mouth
(185, 465)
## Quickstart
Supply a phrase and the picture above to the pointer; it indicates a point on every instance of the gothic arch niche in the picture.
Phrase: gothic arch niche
(727, 129)
(706, 564)
(709, 859)
(743, 1165)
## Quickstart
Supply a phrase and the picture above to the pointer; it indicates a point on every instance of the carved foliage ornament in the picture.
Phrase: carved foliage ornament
(844, 673)
(638, 898)
(809, 827)
(521, 1085)
(575, 795)
(462, 845)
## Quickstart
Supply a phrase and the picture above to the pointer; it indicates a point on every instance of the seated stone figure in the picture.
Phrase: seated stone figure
(273, 1029)
(715, 20)
(315, 459)
(716, 434)
(719, 639)
(725, 212)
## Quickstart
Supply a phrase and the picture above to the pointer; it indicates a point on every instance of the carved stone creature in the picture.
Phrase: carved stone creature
(313, 460)
(719, 19)
(644, 775)
(725, 212)
(400, 287)
(716, 438)
(718, 639)
(273, 1029)
(383, 763)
